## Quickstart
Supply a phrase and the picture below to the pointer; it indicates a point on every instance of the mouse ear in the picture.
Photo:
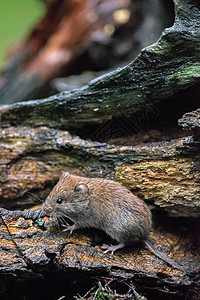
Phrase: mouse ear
(81, 187)
(64, 175)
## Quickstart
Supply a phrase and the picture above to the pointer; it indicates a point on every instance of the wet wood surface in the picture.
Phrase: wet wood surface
(29, 249)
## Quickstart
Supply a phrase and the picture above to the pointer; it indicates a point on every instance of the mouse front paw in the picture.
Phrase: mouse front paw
(112, 248)
(69, 228)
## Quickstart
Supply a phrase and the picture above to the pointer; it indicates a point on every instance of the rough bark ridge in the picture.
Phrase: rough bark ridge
(163, 173)
(35, 254)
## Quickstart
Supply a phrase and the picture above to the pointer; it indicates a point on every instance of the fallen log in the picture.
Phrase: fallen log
(159, 71)
(32, 254)
(163, 173)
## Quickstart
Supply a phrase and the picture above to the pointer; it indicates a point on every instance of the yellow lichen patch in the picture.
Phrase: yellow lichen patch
(168, 183)
(34, 207)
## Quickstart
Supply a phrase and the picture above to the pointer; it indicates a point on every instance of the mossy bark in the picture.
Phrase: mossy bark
(159, 71)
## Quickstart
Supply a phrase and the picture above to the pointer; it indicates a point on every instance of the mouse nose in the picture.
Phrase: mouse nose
(46, 210)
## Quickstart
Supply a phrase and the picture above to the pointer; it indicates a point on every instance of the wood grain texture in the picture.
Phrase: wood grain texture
(163, 173)
(31, 252)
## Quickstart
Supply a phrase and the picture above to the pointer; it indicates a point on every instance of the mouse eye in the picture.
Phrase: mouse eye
(59, 200)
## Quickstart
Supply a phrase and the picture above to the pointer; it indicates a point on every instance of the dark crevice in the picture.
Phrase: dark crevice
(160, 123)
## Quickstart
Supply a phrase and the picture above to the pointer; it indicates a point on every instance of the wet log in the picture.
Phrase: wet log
(159, 71)
(33, 254)
(32, 159)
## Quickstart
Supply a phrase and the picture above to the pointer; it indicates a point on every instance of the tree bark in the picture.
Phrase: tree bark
(159, 71)
(35, 255)
(163, 173)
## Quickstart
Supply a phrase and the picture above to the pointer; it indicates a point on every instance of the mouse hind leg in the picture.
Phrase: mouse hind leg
(112, 248)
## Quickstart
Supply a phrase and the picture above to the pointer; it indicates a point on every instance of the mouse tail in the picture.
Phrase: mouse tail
(163, 257)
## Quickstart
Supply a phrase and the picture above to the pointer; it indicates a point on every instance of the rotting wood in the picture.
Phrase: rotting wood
(30, 252)
(158, 72)
(16, 214)
(164, 173)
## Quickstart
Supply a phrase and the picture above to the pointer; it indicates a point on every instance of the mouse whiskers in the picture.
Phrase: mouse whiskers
(56, 220)
(62, 218)
(34, 198)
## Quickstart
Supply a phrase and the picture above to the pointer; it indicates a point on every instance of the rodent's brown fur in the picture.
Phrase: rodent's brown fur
(106, 205)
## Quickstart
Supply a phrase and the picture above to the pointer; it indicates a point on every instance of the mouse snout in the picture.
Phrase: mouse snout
(47, 210)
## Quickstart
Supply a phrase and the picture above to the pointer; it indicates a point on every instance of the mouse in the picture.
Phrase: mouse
(106, 205)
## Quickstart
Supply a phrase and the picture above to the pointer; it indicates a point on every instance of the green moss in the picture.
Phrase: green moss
(16, 19)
